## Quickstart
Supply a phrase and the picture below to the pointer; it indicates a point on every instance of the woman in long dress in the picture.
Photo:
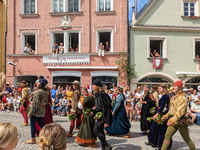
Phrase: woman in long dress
(85, 135)
(120, 124)
(147, 104)
(157, 131)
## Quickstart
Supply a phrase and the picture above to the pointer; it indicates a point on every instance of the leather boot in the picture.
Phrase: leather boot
(32, 141)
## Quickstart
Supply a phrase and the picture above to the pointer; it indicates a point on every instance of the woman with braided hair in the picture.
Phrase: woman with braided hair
(51, 137)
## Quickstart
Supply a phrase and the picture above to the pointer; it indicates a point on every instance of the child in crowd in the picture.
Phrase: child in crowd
(132, 99)
(16, 103)
(3, 102)
(129, 109)
(55, 104)
(64, 105)
(138, 108)
(9, 103)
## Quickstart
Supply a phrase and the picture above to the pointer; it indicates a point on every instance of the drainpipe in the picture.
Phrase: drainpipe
(128, 82)
(5, 38)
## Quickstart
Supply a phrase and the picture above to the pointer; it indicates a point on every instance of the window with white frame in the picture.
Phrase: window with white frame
(189, 8)
(65, 5)
(29, 39)
(157, 47)
(197, 48)
(29, 6)
(106, 38)
(73, 5)
(58, 5)
(70, 41)
(104, 5)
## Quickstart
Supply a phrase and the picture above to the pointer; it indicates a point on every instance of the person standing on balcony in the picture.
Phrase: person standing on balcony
(101, 49)
(55, 49)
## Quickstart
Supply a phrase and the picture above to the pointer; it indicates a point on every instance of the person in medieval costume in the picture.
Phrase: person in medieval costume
(25, 102)
(177, 117)
(38, 108)
(75, 111)
(85, 135)
(120, 124)
(147, 104)
(102, 113)
(158, 128)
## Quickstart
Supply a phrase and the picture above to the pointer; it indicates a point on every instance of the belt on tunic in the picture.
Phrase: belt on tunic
(41, 106)
(181, 120)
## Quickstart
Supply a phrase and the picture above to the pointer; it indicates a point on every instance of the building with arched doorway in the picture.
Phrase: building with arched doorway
(165, 43)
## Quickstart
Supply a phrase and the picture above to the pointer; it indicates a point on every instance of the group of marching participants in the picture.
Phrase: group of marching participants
(161, 115)
(164, 117)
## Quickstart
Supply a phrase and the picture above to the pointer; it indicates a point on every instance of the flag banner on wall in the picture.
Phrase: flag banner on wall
(157, 63)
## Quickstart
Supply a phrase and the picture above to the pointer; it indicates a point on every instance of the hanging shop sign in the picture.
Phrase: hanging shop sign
(66, 60)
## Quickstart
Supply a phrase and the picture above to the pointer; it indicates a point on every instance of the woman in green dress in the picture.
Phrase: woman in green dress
(85, 135)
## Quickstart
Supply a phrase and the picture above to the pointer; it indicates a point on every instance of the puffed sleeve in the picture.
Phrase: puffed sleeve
(35, 104)
(182, 108)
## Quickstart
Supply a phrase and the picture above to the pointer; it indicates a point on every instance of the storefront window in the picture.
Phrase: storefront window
(66, 80)
(106, 80)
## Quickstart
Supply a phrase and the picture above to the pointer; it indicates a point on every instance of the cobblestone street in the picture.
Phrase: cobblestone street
(118, 143)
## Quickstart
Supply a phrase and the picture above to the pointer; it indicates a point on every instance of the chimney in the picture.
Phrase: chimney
(135, 7)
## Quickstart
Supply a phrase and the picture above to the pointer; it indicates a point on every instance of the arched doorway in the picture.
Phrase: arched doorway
(193, 82)
(154, 80)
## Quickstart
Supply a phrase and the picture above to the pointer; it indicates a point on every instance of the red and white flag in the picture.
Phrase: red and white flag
(157, 63)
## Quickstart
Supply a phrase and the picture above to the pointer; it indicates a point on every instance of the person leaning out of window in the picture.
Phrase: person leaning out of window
(27, 48)
(55, 49)
(61, 48)
(8, 136)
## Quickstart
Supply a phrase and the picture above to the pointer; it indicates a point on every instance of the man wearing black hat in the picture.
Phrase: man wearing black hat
(38, 108)
(25, 102)
(103, 104)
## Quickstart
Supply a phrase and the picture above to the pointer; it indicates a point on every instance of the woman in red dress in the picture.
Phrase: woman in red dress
(48, 116)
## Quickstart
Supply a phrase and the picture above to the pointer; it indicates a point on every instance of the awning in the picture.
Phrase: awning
(188, 73)
(103, 67)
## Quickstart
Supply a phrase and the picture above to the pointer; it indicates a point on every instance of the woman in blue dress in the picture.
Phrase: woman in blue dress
(120, 124)
(157, 131)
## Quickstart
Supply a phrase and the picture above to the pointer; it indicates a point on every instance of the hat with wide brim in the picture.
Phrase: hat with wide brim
(23, 81)
(76, 83)
(196, 99)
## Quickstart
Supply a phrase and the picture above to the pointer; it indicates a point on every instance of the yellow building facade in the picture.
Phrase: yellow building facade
(2, 33)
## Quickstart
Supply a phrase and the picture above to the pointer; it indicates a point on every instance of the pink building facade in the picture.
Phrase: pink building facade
(80, 25)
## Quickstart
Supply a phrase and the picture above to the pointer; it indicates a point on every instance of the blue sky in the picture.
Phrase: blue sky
(140, 4)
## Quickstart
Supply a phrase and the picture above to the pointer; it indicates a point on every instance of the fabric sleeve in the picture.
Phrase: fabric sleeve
(107, 115)
(75, 100)
(118, 104)
(24, 95)
(182, 108)
(163, 103)
(35, 104)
